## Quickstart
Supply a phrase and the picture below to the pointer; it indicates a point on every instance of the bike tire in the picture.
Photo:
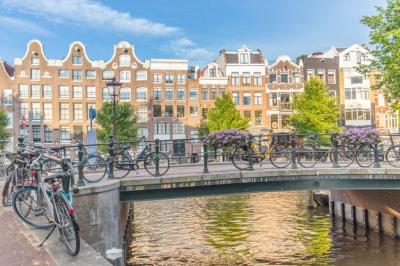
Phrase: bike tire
(99, 166)
(150, 163)
(2, 169)
(392, 153)
(69, 229)
(345, 156)
(239, 160)
(307, 155)
(365, 155)
(280, 156)
(35, 215)
(8, 190)
(121, 167)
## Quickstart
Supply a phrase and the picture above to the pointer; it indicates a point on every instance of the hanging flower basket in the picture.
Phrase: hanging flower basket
(226, 138)
(355, 137)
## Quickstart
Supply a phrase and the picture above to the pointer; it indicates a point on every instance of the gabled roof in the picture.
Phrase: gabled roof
(9, 68)
(232, 57)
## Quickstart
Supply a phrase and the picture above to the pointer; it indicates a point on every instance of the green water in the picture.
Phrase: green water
(251, 229)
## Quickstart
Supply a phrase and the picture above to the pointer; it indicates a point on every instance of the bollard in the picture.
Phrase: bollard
(293, 150)
(205, 159)
(366, 219)
(250, 153)
(378, 228)
(332, 208)
(335, 151)
(21, 142)
(157, 159)
(376, 156)
(64, 152)
(393, 221)
(81, 182)
(111, 162)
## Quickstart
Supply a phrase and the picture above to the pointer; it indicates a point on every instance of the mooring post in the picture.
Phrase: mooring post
(205, 158)
(376, 156)
(335, 150)
(250, 153)
(157, 159)
(293, 150)
(81, 182)
(111, 161)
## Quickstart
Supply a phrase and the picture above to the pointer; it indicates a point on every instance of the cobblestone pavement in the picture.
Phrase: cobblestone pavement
(16, 247)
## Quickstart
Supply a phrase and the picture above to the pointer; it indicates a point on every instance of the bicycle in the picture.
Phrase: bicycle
(309, 154)
(277, 152)
(48, 204)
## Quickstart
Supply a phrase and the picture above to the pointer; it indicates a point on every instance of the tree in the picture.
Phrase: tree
(314, 111)
(223, 116)
(385, 47)
(125, 122)
(4, 120)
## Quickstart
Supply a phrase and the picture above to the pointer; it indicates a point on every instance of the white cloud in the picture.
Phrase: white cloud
(186, 48)
(89, 13)
(22, 25)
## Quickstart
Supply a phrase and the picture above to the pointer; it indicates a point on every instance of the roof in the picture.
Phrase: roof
(340, 49)
(9, 68)
(255, 58)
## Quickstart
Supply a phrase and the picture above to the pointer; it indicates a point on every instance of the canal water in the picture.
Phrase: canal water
(251, 229)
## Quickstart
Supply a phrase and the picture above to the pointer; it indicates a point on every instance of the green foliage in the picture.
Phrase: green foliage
(3, 131)
(314, 111)
(224, 116)
(125, 122)
(385, 42)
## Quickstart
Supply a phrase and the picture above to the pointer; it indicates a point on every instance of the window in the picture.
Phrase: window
(296, 77)
(274, 99)
(125, 76)
(358, 114)
(63, 73)
(244, 58)
(161, 128)
(141, 75)
(204, 113)
(48, 135)
(36, 134)
(157, 78)
(180, 111)
(124, 60)
(23, 91)
(246, 78)
(64, 92)
(35, 74)
(193, 94)
(64, 111)
(213, 94)
(64, 134)
(258, 118)
(204, 94)
(78, 132)
(77, 92)
(181, 94)
(258, 98)
(194, 135)
(181, 78)
(141, 94)
(10, 122)
(178, 128)
(246, 98)
(331, 76)
(77, 75)
(356, 80)
(247, 114)
(257, 79)
(48, 111)
(77, 60)
(381, 99)
(236, 98)
(169, 94)
(347, 57)
(157, 93)
(272, 78)
(90, 74)
(24, 107)
(7, 97)
(285, 121)
(142, 114)
(169, 111)
(107, 97)
(321, 74)
(108, 74)
(284, 78)
(274, 121)
(193, 110)
(144, 132)
(213, 72)
(310, 73)
(35, 60)
(358, 57)
(125, 95)
(36, 111)
(356, 93)
(78, 111)
(35, 91)
(169, 78)
(157, 110)
(285, 101)
(221, 91)
(47, 91)
(235, 79)
(91, 92)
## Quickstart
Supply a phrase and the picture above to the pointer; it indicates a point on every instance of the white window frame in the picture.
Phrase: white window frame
(141, 75)
(140, 92)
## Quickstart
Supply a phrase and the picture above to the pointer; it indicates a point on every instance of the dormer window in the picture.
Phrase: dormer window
(124, 60)
(347, 57)
(243, 58)
(35, 60)
(213, 72)
(77, 60)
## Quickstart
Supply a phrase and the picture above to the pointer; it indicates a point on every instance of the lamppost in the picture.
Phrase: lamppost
(113, 83)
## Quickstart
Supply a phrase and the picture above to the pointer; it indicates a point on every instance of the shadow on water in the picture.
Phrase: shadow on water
(251, 229)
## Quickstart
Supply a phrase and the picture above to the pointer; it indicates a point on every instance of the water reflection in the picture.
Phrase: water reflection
(250, 229)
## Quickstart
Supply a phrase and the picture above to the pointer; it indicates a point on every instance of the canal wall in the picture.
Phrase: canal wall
(377, 210)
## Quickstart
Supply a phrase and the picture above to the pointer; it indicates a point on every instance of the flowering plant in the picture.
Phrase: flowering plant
(226, 137)
(354, 137)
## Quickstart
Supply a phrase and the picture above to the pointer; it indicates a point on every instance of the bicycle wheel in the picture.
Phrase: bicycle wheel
(150, 163)
(307, 155)
(393, 156)
(2, 169)
(240, 158)
(345, 156)
(94, 169)
(280, 156)
(8, 189)
(122, 166)
(30, 206)
(365, 155)
(68, 226)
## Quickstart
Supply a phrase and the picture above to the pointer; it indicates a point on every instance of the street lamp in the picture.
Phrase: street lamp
(114, 84)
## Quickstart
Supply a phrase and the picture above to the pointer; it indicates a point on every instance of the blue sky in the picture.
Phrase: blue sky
(190, 29)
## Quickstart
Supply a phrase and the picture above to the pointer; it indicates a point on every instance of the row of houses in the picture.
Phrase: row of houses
(47, 100)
